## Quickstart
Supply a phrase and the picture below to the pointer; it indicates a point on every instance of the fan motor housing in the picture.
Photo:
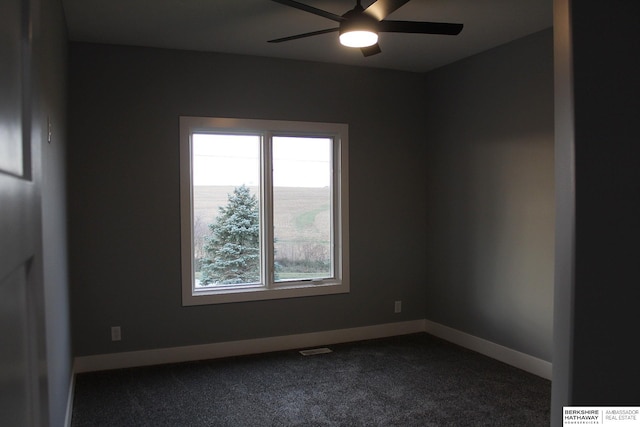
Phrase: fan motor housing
(355, 20)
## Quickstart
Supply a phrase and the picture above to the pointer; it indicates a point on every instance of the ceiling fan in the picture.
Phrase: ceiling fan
(359, 27)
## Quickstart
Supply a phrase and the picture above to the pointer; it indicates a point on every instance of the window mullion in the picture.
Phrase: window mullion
(266, 205)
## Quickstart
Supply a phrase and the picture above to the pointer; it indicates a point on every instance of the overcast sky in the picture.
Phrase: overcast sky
(234, 160)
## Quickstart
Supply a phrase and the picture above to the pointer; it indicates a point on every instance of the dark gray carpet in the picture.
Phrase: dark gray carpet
(411, 380)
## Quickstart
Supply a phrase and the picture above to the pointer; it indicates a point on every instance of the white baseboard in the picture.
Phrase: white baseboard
(523, 361)
(130, 359)
(102, 362)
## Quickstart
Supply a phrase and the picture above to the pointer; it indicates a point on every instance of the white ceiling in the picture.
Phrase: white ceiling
(244, 26)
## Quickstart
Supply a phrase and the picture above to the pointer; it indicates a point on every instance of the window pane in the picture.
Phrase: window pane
(302, 208)
(226, 209)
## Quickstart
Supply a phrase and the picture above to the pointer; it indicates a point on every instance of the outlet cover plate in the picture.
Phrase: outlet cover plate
(398, 307)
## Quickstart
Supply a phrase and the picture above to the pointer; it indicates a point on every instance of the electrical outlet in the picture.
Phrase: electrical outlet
(398, 307)
(116, 333)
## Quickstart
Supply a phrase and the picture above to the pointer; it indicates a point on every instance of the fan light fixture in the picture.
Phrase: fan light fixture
(359, 30)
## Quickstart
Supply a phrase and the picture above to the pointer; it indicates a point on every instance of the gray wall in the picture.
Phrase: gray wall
(451, 192)
(597, 275)
(124, 195)
(491, 195)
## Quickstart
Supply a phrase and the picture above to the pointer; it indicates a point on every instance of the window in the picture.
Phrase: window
(264, 209)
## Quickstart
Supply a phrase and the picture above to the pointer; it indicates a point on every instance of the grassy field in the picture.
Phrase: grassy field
(301, 217)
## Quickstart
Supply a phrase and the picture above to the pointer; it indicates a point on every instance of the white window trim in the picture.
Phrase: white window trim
(337, 285)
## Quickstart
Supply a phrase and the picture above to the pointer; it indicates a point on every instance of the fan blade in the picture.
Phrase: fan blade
(420, 27)
(382, 8)
(371, 50)
(300, 36)
(311, 9)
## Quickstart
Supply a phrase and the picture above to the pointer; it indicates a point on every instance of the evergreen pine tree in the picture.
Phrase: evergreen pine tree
(232, 251)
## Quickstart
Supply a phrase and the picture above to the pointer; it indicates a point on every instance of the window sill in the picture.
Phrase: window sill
(223, 296)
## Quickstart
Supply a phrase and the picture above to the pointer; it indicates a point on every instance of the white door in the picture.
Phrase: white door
(20, 232)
